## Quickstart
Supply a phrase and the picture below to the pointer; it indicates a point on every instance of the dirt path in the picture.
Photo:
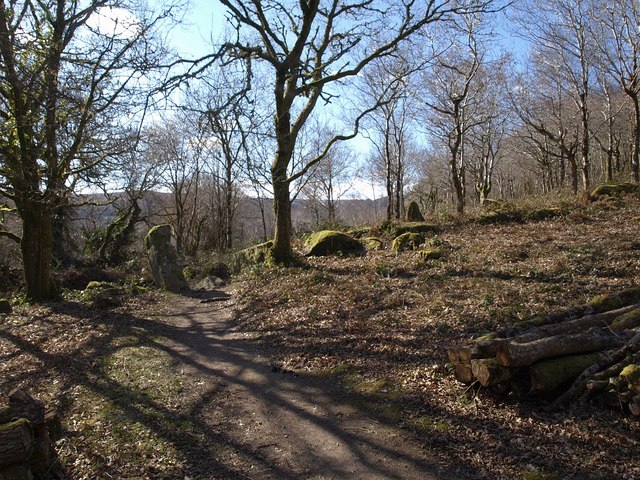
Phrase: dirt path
(274, 425)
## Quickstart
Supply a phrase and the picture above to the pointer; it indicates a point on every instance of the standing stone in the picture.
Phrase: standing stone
(163, 258)
(414, 214)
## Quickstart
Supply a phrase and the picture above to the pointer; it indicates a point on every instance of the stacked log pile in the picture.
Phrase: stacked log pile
(579, 354)
(27, 433)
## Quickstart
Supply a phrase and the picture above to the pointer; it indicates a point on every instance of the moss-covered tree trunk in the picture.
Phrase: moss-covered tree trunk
(37, 248)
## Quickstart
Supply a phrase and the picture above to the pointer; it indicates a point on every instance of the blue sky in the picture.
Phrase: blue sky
(203, 18)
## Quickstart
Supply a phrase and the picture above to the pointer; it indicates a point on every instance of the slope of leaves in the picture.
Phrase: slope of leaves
(387, 318)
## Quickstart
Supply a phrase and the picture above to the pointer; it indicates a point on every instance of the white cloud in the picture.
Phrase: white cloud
(117, 22)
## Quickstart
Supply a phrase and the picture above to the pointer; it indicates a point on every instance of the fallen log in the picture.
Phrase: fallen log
(579, 386)
(578, 325)
(515, 354)
(601, 303)
(16, 442)
(488, 372)
(548, 375)
(628, 321)
(23, 405)
(464, 374)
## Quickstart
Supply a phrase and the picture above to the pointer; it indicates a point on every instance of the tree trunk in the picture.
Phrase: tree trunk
(488, 372)
(585, 150)
(513, 354)
(16, 442)
(635, 159)
(548, 375)
(282, 252)
(37, 249)
(575, 326)
(573, 169)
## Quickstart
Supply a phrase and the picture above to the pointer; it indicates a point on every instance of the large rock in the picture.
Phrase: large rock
(407, 241)
(104, 294)
(163, 259)
(414, 214)
(210, 283)
(256, 255)
(613, 190)
(330, 242)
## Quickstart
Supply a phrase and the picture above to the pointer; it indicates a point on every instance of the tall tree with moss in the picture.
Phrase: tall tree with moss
(70, 72)
(311, 48)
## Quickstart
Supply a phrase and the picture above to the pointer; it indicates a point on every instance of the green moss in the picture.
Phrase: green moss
(548, 375)
(503, 212)
(430, 254)
(393, 229)
(534, 475)
(260, 254)
(218, 269)
(331, 242)
(604, 303)
(189, 272)
(407, 241)
(359, 232)
(428, 425)
(613, 190)
(103, 294)
(414, 227)
(152, 232)
(631, 373)
(627, 321)
(372, 243)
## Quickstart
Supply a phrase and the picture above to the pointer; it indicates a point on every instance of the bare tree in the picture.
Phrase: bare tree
(541, 101)
(452, 96)
(618, 38)
(69, 73)
(487, 136)
(311, 47)
(389, 126)
(328, 182)
(560, 32)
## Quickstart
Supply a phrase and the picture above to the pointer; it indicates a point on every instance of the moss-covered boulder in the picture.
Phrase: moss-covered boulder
(430, 254)
(104, 294)
(394, 229)
(331, 242)
(372, 243)
(163, 259)
(407, 241)
(256, 255)
(190, 273)
(359, 232)
(215, 268)
(5, 306)
(414, 214)
(612, 190)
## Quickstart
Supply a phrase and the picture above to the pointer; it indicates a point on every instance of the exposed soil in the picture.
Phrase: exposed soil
(278, 424)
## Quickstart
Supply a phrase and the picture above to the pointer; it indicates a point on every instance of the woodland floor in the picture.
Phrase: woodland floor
(335, 370)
